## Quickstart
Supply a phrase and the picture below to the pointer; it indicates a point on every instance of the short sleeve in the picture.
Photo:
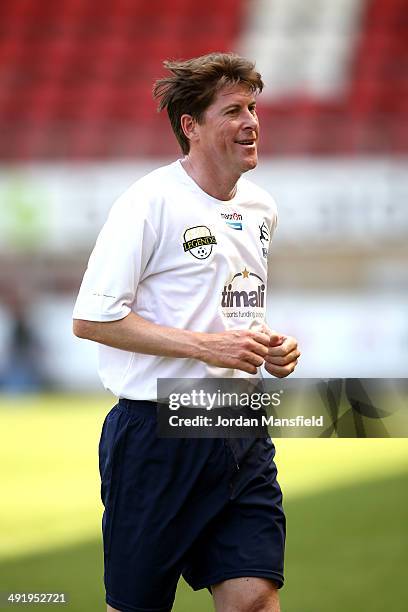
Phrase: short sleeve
(274, 217)
(117, 262)
(274, 222)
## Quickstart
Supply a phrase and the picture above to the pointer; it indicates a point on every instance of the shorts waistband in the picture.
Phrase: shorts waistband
(144, 407)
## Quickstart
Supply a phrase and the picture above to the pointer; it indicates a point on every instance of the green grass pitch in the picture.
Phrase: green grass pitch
(346, 503)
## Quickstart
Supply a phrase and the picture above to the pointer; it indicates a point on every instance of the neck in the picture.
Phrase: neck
(212, 182)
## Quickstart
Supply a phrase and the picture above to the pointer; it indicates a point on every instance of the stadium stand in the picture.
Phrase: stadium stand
(75, 88)
(358, 106)
(76, 76)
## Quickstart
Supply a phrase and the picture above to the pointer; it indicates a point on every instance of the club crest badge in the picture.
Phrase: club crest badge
(264, 238)
(198, 241)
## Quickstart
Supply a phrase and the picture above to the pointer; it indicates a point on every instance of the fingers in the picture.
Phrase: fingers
(245, 365)
(280, 371)
(274, 338)
(288, 346)
(261, 338)
(254, 359)
(282, 360)
(253, 352)
(248, 350)
(249, 369)
(256, 343)
(250, 360)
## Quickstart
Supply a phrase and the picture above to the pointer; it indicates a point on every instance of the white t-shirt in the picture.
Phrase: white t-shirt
(178, 257)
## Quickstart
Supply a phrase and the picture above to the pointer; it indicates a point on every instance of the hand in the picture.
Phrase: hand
(239, 349)
(283, 355)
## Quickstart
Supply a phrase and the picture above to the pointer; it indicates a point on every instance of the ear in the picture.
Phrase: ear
(189, 127)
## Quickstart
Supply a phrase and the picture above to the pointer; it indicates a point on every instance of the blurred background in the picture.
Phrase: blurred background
(77, 126)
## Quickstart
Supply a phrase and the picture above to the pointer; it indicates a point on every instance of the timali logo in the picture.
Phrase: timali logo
(198, 241)
(245, 290)
(233, 219)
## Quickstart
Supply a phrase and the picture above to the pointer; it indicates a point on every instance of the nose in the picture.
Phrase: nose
(250, 121)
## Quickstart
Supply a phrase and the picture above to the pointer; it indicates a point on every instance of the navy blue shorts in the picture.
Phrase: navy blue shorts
(207, 509)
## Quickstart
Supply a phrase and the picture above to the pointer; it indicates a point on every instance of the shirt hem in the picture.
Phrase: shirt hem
(98, 318)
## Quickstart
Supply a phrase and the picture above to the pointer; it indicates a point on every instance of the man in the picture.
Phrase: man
(176, 288)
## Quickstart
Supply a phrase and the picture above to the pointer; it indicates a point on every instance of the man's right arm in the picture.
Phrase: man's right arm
(243, 350)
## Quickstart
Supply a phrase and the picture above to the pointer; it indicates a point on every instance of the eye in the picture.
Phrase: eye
(252, 109)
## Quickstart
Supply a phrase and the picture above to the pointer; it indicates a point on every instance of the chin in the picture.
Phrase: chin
(249, 164)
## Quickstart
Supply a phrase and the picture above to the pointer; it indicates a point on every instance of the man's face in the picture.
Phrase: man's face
(228, 133)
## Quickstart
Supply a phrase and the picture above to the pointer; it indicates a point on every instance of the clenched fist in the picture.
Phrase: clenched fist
(282, 356)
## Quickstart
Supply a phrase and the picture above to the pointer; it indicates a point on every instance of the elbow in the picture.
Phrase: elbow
(82, 329)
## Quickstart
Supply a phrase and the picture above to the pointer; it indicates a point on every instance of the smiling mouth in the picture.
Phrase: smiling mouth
(245, 143)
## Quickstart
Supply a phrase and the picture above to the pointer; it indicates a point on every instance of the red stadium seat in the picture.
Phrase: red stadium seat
(77, 75)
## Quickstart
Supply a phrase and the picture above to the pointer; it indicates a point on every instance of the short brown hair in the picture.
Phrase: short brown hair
(193, 83)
